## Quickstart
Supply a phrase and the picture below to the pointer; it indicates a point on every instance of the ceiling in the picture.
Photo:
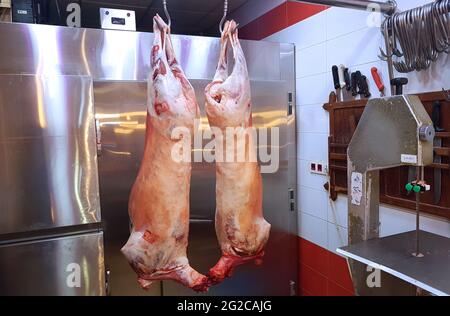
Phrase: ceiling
(192, 17)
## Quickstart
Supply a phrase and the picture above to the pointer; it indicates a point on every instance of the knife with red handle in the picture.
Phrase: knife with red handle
(377, 78)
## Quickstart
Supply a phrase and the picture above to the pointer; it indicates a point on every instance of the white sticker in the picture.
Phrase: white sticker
(357, 185)
(409, 159)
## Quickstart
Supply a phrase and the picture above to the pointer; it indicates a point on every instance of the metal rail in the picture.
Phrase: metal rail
(388, 7)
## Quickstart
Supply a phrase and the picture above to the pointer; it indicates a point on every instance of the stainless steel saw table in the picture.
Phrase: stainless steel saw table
(393, 255)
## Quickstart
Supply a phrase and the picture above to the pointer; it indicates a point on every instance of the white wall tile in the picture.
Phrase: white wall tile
(396, 221)
(310, 31)
(434, 225)
(312, 90)
(312, 146)
(337, 237)
(340, 21)
(287, 35)
(313, 229)
(307, 179)
(313, 202)
(311, 60)
(433, 79)
(283, 36)
(307, 33)
(357, 48)
(338, 211)
(312, 119)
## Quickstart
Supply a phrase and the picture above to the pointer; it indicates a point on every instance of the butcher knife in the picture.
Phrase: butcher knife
(337, 84)
(364, 87)
(377, 78)
(344, 82)
(354, 83)
(348, 80)
(436, 117)
(361, 84)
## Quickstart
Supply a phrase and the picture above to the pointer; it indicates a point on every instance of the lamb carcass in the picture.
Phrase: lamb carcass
(240, 227)
(159, 200)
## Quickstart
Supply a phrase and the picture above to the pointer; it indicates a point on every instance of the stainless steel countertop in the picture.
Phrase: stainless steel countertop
(393, 255)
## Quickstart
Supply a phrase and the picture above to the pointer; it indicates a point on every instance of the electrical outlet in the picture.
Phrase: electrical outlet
(318, 168)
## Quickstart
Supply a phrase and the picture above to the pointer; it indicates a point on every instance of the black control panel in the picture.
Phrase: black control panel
(22, 11)
(118, 21)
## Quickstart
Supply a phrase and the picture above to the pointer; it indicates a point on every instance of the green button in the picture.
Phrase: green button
(417, 188)
(409, 187)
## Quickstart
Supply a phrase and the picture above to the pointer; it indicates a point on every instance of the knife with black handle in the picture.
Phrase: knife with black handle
(354, 83)
(358, 82)
(364, 87)
(337, 84)
(347, 78)
(344, 81)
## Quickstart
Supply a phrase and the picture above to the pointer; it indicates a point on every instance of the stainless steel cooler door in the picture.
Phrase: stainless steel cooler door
(48, 165)
(41, 119)
(59, 266)
(121, 111)
(274, 276)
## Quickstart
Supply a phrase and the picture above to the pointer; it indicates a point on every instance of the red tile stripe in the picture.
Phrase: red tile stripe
(278, 19)
(322, 272)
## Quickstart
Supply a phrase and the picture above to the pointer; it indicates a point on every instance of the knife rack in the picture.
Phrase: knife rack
(344, 118)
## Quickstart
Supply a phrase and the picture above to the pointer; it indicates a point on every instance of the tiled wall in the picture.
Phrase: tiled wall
(325, 37)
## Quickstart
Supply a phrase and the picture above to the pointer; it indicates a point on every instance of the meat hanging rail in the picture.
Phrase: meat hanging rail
(388, 7)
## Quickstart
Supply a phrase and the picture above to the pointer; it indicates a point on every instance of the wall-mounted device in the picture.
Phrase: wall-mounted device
(5, 11)
(23, 11)
(318, 168)
(115, 19)
(5, 3)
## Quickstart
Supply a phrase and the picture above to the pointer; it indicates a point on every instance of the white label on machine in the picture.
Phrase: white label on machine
(116, 19)
(357, 185)
(412, 159)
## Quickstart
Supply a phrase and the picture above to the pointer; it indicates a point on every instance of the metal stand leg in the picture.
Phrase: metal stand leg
(420, 173)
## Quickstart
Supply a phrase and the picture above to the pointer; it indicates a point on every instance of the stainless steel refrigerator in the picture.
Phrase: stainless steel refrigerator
(51, 242)
(49, 137)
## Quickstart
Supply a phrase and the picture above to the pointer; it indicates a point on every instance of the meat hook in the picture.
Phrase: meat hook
(416, 37)
(169, 20)
(225, 11)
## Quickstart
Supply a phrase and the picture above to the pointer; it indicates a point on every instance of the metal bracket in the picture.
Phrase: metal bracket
(290, 104)
(108, 282)
(292, 288)
(291, 200)
(98, 137)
